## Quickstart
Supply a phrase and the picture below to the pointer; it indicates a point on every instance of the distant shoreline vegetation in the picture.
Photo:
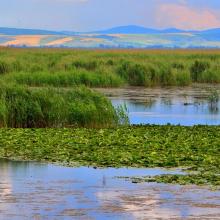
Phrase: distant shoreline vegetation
(109, 68)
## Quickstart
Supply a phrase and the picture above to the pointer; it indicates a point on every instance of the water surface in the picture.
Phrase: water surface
(176, 105)
(42, 191)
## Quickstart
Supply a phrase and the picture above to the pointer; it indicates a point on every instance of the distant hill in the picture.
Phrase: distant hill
(21, 31)
(118, 37)
(130, 29)
(210, 31)
(133, 29)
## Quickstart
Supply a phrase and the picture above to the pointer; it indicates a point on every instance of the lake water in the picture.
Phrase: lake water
(185, 106)
(31, 190)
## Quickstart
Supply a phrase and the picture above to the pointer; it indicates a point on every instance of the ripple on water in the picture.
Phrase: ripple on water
(185, 106)
(42, 191)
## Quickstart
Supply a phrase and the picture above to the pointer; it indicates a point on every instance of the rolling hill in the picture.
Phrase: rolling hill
(118, 37)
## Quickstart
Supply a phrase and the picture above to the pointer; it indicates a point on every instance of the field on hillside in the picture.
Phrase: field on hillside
(103, 40)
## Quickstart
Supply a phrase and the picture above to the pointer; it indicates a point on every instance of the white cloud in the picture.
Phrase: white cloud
(185, 17)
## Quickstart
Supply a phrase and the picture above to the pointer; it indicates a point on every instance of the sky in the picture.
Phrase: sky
(90, 15)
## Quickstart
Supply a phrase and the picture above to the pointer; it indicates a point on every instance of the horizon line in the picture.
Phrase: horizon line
(106, 29)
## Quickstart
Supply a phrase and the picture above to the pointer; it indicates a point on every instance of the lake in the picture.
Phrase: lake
(176, 105)
(30, 190)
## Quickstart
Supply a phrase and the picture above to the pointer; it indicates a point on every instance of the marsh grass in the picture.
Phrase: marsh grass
(4, 67)
(50, 107)
(110, 68)
(47, 87)
(67, 79)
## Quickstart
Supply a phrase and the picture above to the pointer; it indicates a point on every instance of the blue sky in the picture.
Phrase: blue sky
(87, 15)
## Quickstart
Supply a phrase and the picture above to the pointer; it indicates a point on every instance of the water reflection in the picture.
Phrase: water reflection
(5, 184)
(40, 191)
(185, 106)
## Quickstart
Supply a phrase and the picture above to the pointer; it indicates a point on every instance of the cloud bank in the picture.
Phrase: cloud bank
(183, 16)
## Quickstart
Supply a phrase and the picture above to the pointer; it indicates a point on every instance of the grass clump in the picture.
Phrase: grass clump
(24, 107)
(89, 65)
(198, 68)
(4, 67)
(67, 79)
(134, 74)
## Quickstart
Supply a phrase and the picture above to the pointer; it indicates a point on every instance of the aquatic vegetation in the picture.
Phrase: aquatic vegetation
(109, 68)
(213, 97)
(195, 148)
(50, 107)
(44, 88)
(89, 65)
(67, 79)
(213, 100)
(4, 68)
(198, 68)
(201, 178)
(122, 113)
(135, 74)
